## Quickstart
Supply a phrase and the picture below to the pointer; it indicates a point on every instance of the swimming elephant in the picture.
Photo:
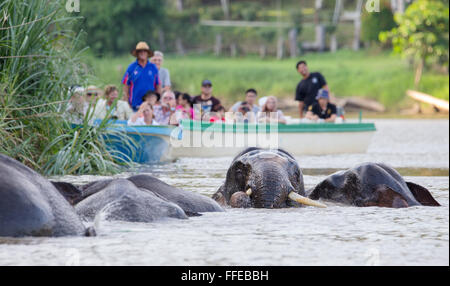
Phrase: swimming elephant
(140, 198)
(31, 206)
(372, 184)
(261, 178)
(121, 200)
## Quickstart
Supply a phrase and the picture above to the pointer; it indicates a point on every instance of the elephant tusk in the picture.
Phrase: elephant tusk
(305, 201)
(249, 192)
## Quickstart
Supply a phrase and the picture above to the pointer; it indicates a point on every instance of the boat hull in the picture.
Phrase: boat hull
(206, 140)
(294, 143)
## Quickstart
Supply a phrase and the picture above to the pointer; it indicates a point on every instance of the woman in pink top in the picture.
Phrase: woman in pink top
(185, 107)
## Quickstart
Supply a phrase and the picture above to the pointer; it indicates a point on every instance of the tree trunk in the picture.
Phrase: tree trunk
(293, 47)
(225, 8)
(334, 43)
(357, 23)
(320, 38)
(280, 48)
(218, 45)
(179, 5)
(178, 42)
(179, 46)
(233, 50)
(262, 51)
(419, 72)
(161, 39)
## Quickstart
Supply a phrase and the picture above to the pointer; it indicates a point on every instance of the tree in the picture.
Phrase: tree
(116, 26)
(375, 23)
(422, 34)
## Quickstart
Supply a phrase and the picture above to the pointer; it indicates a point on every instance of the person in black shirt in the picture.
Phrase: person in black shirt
(309, 86)
(322, 110)
(208, 102)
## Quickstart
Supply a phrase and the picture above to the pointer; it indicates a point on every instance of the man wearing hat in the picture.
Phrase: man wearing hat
(141, 76)
(322, 110)
(207, 102)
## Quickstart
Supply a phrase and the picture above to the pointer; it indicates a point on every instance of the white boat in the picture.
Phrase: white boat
(204, 140)
(220, 140)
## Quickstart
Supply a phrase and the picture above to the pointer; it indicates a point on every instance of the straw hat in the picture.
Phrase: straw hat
(142, 46)
(93, 89)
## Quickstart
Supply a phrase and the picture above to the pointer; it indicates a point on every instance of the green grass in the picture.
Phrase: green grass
(40, 58)
(380, 76)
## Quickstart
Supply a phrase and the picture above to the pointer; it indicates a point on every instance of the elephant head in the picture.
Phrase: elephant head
(264, 179)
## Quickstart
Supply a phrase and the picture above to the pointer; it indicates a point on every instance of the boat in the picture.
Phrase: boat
(206, 140)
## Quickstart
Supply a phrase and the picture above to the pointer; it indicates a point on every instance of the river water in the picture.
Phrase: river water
(338, 235)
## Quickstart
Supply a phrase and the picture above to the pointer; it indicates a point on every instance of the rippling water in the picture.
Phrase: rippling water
(338, 235)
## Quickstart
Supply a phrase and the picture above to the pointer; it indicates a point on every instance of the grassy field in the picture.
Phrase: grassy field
(380, 76)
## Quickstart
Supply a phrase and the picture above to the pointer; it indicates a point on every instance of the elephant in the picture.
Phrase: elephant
(122, 200)
(260, 178)
(31, 206)
(372, 184)
(140, 198)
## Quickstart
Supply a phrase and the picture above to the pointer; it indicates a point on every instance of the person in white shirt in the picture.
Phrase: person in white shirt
(144, 116)
(122, 110)
(270, 112)
(77, 106)
(164, 74)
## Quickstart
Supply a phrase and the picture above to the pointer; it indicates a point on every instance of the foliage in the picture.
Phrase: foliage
(116, 26)
(40, 58)
(85, 149)
(422, 34)
(375, 23)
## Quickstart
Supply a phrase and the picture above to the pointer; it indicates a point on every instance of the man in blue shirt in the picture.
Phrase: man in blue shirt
(141, 76)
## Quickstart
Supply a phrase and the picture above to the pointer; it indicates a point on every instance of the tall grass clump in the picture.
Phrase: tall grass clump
(40, 58)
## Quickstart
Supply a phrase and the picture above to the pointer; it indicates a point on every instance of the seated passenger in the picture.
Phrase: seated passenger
(218, 116)
(144, 116)
(205, 102)
(250, 98)
(322, 110)
(92, 94)
(77, 107)
(244, 113)
(122, 111)
(152, 97)
(165, 113)
(270, 112)
(184, 108)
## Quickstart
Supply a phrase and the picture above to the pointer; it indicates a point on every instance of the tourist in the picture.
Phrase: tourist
(250, 97)
(141, 76)
(308, 87)
(152, 97)
(184, 108)
(218, 116)
(245, 114)
(164, 74)
(270, 112)
(77, 106)
(323, 110)
(206, 102)
(121, 111)
(92, 94)
(144, 116)
(165, 113)
(178, 95)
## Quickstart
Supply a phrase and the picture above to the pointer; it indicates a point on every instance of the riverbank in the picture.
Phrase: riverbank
(377, 75)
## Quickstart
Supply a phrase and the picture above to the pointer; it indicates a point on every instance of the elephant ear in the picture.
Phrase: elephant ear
(237, 178)
(422, 195)
(71, 193)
